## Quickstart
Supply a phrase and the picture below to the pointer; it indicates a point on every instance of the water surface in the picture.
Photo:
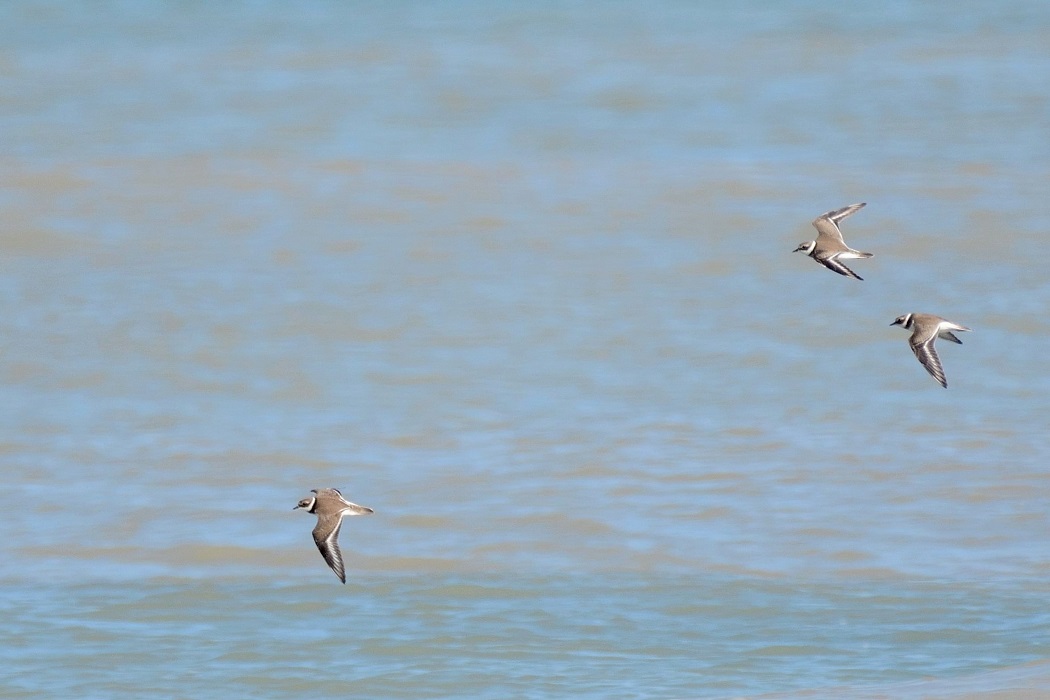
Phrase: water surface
(519, 279)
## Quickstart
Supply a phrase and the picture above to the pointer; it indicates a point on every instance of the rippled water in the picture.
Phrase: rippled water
(518, 278)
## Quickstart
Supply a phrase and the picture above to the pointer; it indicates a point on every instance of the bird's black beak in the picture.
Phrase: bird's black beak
(896, 323)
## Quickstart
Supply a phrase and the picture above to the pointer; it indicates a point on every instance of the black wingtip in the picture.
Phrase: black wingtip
(840, 269)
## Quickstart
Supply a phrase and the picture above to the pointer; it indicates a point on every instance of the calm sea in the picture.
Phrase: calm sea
(518, 277)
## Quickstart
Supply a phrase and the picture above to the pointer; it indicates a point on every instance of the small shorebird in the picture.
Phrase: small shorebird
(925, 329)
(829, 248)
(330, 508)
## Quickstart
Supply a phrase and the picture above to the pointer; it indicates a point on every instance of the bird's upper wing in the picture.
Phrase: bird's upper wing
(827, 224)
(326, 537)
(927, 355)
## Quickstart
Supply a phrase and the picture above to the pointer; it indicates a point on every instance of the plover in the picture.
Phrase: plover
(925, 329)
(330, 508)
(829, 248)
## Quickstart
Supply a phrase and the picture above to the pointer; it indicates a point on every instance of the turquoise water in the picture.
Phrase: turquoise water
(519, 278)
(416, 635)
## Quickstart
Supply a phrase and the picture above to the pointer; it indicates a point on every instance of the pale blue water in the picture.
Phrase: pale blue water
(483, 636)
(518, 278)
